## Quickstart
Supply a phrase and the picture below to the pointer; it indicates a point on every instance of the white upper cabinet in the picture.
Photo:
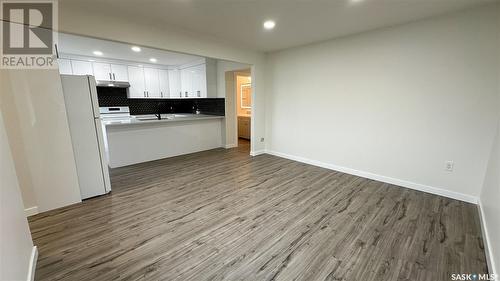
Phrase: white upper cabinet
(136, 79)
(152, 82)
(194, 81)
(65, 66)
(102, 71)
(119, 72)
(187, 82)
(81, 67)
(199, 81)
(110, 72)
(174, 83)
(164, 85)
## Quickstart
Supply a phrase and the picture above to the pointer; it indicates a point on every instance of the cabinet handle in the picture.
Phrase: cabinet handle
(199, 94)
(161, 94)
(110, 76)
(114, 77)
(144, 93)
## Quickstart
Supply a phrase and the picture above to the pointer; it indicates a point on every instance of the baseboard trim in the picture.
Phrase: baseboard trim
(233, 145)
(32, 266)
(31, 211)
(403, 183)
(257, 152)
(486, 240)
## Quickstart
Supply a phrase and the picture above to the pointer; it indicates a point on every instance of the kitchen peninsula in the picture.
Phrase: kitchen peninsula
(145, 138)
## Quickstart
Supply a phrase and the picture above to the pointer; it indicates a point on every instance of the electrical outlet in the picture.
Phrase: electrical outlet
(261, 139)
(449, 166)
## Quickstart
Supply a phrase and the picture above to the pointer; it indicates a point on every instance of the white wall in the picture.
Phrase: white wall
(15, 244)
(33, 108)
(78, 18)
(490, 195)
(490, 207)
(393, 104)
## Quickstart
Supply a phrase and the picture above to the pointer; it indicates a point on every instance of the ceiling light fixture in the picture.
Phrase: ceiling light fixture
(136, 49)
(152, 60)
(269, 24)
(97, 53)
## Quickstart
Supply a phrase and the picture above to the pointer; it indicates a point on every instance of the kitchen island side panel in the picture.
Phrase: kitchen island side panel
(129, 145)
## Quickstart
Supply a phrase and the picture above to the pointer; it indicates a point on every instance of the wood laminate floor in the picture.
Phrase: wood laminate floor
(223, 215)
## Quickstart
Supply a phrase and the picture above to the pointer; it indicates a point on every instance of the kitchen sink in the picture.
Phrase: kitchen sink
(147, 119)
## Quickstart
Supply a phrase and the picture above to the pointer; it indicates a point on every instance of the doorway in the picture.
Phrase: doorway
(243, 108)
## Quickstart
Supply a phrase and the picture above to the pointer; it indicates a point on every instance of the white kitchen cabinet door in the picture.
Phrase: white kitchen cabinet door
(199, 81)
(137, 87)
(152, 82)
(187, 82)
(81, 67)
(102, 71)
(174, 83)
(119, 72)
(65, 66)
(163, 77)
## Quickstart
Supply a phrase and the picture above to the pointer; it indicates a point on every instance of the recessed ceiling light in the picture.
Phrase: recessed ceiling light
(355, 1)
(97, 53)
(152, 60)
(269, 24)
(136, 49)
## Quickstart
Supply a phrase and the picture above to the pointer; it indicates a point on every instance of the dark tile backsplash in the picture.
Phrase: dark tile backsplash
(109, 96)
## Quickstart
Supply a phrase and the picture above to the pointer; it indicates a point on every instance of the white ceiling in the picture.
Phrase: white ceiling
(298, 22)
(84, 46)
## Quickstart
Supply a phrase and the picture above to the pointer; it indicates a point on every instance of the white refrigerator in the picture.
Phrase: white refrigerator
(82, 110)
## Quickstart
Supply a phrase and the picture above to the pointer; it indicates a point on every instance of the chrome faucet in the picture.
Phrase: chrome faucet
(158, 115)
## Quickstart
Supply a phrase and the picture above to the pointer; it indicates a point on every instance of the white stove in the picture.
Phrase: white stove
(115, 113)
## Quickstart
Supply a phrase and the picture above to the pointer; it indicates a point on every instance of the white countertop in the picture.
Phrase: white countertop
(152, 119)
